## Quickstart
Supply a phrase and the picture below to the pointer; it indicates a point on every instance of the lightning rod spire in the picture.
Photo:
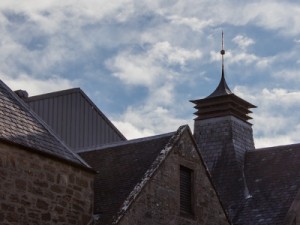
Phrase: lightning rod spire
(223, 53)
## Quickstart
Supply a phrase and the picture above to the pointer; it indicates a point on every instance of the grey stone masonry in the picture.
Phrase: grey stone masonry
(39, 190)
(159, 202)
(223, 142)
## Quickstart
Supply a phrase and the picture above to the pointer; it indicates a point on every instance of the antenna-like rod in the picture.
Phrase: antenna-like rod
(222, 53)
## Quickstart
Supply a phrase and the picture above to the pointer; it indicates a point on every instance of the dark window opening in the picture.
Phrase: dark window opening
(186, 190)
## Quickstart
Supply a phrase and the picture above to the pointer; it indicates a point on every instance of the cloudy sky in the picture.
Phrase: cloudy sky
(141, 61)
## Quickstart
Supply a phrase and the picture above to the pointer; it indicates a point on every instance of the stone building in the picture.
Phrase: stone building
(154, 181)
(214, 176)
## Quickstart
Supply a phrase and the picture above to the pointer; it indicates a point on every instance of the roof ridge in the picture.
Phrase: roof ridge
(273, 147)
(52, 94)
(150, 172)
(84, 95)
(126, 142)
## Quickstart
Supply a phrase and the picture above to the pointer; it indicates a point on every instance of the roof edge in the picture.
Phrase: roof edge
(209, 175)
(80, 91)
(120, 143)
(48, 155)
(52, 94)
(291, 215)
(20, 101)
(102, 114)
(273, 147)
(149, 173)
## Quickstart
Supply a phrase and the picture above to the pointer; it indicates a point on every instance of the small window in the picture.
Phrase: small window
(186, 190)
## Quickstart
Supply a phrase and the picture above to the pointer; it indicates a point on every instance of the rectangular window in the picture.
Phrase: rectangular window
(186, 190)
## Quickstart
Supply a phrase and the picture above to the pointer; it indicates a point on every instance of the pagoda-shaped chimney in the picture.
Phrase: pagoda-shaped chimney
(223, 134)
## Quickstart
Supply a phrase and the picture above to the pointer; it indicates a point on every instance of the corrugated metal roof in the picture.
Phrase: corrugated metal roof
(75, 119)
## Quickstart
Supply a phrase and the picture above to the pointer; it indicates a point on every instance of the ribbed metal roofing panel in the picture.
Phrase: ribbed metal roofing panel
(75, 119)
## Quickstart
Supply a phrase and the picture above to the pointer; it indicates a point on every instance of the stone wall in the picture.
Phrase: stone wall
(35, 189)
(159, 201)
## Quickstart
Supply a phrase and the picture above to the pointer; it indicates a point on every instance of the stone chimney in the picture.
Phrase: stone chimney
(224, 135)
(22, 94)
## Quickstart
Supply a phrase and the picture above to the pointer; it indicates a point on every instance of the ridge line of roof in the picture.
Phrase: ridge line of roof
(125, 142)
(80, 91)
(52, 94)
(273, 147)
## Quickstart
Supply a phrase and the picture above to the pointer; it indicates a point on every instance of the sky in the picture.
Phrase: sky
(141, 61)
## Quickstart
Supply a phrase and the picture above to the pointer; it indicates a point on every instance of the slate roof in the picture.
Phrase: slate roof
(222, 88)
(273, 178)
(19, 125)
(75, 119)
(123, 170)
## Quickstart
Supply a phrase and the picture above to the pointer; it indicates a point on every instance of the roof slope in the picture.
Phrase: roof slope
(75, 119)
(273, 179)
(129, 162)
(19, 125)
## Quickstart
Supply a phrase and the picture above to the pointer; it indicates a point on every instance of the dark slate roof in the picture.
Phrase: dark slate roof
(222, 88)
(19, 125)
(124, 169)
(75, 119)
(273, 178)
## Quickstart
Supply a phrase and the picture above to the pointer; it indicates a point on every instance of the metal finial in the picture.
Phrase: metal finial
(222, 53)
(222, 88)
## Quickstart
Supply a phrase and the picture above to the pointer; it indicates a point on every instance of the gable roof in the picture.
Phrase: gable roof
(273, 178)
(75, 119)
(128, 161)
(20, 126)
(126, 167)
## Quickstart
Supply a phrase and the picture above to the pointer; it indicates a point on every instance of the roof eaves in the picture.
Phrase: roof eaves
(21, 102)
(149, 173)
(48, 155)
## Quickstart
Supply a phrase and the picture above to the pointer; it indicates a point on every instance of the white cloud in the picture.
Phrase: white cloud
(38, 86)
(242, 41)
(288, 75)
(276, 120)
(132, 132)
(194, 23)
(144, 120)
(174, 33)
(150, 67)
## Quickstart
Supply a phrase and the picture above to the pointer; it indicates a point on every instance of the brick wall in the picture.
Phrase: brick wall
(159, 201)
(39, 190)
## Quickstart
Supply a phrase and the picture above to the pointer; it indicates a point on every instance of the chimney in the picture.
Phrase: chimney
(22, 94)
